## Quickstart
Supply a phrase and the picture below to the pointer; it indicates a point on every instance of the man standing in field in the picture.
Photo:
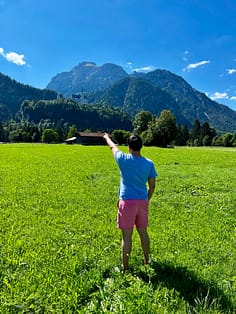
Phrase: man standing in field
(136, 171)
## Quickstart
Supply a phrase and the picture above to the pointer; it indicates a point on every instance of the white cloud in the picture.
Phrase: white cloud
(196, 65)
(185, 57)
(231, 71)
(13, 57)
(218, 95)
(129, 66)
(233, 98)
(148, 68)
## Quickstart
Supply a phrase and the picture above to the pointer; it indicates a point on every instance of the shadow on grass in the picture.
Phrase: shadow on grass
(191, 288)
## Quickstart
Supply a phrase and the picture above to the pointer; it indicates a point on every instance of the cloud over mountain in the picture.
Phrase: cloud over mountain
(196, 65)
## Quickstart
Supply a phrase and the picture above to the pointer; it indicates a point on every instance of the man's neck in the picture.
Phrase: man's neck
(136, 153)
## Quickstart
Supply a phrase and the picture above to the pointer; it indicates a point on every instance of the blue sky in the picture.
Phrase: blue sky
(194, 39)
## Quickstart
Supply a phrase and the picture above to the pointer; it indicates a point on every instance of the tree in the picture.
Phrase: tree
(216, 141)
(182, 136)
(2, 133)
(15, 136)
(4, 112)
(206, 141)
(195, 137)
(161, 131)
(148, 136)
(120, 136)
(141, 120)
(36, 136)
(50, 136)
(166, 128)
(60, 131)
(234, 140)
(227, 139)
(207, 134)
(72, 131)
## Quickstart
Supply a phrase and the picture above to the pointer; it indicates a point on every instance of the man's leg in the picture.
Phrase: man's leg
(126, 247)
(145, 242)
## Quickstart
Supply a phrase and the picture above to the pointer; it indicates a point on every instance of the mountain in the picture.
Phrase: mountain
(161, 89)
(192, 103)
(86, 77)
(13, 93)
(153, 91)
(136, 94)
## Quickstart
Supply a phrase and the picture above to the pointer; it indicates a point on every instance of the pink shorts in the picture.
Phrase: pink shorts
(132, 213)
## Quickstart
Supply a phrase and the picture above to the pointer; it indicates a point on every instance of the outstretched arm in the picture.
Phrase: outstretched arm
(151, 187)
(110, 143)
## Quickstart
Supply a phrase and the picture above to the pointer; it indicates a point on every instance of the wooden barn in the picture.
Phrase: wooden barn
(89, 138)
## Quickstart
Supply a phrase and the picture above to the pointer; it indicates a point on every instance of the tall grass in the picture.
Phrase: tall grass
(60, 248)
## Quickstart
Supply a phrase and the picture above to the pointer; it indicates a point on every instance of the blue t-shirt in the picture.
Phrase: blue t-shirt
(135, 172)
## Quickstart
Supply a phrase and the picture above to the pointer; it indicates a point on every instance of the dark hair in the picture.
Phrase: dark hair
(135, 142)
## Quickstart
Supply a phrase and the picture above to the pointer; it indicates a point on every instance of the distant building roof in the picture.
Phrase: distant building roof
(90, 134)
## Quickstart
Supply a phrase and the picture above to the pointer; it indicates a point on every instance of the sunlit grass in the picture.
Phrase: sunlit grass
(60, 248)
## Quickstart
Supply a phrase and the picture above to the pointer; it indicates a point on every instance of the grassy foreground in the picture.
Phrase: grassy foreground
(60, 248)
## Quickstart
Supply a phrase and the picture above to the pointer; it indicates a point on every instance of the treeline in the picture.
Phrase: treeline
(163, 131)
(57, 120)
(37, 117)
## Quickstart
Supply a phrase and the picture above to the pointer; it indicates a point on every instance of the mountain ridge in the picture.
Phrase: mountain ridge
(153, 91)
(82, 77)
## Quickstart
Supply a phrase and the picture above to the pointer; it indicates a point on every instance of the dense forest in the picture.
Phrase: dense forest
(53, 121)
(59, 115)
(94, 117)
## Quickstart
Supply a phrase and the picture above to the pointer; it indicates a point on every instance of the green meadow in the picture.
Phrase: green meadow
(60, 247)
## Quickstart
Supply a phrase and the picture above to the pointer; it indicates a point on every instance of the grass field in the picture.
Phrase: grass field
(60, 248)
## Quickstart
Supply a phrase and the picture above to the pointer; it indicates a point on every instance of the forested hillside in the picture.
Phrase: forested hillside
(94, 118)
(136, 94)
(12, 94)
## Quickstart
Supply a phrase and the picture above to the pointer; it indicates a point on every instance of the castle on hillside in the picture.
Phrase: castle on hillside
(81, 97)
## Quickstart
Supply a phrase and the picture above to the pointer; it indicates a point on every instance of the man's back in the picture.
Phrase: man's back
(135, 171)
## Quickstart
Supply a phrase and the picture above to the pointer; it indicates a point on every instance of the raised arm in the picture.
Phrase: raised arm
(110, 143)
